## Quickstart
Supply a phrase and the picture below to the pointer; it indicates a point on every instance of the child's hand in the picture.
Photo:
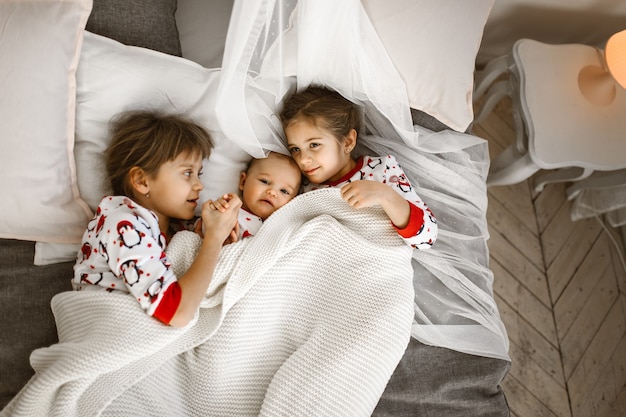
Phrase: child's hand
(365, 193)
(234, 235)
(221, 204)
(220, 217)
(197, 228)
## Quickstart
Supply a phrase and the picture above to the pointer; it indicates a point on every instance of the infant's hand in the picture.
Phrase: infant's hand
(221, 204)
(364, 193)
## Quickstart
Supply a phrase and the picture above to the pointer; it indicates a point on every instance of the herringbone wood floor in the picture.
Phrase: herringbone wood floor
(561, 290)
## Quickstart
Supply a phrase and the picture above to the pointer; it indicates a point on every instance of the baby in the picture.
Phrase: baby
(267, 185)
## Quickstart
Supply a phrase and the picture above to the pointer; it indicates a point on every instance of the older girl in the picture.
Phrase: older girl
(321, 128)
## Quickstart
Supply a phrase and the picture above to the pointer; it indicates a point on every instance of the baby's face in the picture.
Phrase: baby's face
(269, 184)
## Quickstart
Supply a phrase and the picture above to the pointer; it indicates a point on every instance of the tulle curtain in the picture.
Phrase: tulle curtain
(274, 47)
(603, 193)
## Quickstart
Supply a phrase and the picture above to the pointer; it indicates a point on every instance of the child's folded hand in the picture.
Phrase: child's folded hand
(220, 216)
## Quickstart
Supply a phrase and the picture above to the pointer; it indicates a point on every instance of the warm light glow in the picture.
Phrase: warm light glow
(597, 83)
(615, 56)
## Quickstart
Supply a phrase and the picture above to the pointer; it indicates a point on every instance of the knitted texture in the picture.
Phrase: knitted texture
(308, 317)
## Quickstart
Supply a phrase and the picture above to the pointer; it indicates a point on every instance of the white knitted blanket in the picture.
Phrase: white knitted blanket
(308, 318)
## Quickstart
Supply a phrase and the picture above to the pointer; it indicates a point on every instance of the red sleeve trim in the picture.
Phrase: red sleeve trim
(415, 224)
(169, 303)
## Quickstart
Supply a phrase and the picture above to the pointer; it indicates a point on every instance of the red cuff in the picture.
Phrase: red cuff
(169, 303)
(415, 224)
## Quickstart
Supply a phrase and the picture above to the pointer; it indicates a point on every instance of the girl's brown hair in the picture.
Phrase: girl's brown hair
(148, 139)
(325, 108)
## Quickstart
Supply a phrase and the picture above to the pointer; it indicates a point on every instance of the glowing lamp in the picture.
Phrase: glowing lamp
(596, 83)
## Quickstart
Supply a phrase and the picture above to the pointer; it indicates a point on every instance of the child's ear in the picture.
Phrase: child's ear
(139, 180)
(349, 142)
(242, 180)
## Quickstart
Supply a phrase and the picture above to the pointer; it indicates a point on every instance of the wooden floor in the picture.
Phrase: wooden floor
(561, 290)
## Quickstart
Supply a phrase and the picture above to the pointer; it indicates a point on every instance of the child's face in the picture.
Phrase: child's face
(175, 190)
(320, 156)
(269, 184)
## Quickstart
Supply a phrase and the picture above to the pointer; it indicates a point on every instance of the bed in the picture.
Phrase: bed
(68, 66)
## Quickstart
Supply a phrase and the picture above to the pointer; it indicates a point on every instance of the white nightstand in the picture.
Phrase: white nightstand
(557, 128)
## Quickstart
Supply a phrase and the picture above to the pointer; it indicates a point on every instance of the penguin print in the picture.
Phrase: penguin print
(401, 182)
(130, 272)
(85, 251)
(103, 250)
(373, 163)
(129, 236)
(91, 279)
(100, 224)
(127, 256)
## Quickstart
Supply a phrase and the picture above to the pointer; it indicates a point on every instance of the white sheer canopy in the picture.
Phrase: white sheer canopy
(276, 46)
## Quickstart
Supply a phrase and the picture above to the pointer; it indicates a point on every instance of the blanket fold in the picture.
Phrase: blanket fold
(308, 317)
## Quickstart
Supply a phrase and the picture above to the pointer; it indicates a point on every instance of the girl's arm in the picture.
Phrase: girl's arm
(414, 222)
(194, 283)
(383, 177)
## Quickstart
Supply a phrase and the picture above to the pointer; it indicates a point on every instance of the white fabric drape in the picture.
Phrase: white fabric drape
(603, 193)
(274, 47)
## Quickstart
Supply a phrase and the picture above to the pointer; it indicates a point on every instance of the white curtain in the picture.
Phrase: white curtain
(274, 47)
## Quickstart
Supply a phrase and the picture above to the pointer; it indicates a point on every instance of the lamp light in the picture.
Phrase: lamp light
(596, 83)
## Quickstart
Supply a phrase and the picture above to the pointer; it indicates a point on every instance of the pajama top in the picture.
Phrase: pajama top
(421, 231)
(123, 250)
(249, 224)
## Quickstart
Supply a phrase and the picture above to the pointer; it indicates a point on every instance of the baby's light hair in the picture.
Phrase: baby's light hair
(148, 139)
(273, 154)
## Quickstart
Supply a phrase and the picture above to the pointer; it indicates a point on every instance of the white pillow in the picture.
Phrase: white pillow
(39, 50)
(433, 44)
(113, 77)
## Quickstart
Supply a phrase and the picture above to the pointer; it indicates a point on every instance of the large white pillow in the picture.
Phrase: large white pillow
(39, 50)
(113, 78)
(434, 44)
